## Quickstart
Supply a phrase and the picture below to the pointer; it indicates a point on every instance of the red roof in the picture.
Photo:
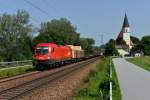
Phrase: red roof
(120, 35)
(131, 43)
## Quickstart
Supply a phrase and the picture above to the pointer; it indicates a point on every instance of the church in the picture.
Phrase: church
(123, 41)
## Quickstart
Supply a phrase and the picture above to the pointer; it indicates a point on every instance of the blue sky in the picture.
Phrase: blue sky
(91, 17)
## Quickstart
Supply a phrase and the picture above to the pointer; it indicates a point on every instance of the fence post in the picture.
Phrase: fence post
(110, 78)
(101, 95)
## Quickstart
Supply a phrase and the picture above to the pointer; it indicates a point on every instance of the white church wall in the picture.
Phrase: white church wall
(126, 38)
(122, 52)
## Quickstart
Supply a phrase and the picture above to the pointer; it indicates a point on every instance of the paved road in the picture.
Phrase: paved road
(134, 81)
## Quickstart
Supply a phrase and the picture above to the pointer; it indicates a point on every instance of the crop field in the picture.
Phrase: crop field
(143, 62)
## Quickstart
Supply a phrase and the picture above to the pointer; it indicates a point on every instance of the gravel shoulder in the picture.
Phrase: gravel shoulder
(62, 89)
(17, 81)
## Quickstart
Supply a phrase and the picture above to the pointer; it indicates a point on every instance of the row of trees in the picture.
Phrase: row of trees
(62, 32)
(17, 44)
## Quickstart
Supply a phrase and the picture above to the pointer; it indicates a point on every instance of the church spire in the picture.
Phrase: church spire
(125, 23)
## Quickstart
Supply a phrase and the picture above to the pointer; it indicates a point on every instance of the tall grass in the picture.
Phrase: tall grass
(98, 80)
(116, 88)
(8, 72)
(97, 84)
(143, 62)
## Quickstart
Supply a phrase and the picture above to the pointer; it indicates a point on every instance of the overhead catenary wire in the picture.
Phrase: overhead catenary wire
(39, 9)
(50, 4)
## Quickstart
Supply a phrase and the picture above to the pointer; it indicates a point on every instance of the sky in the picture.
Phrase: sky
(93, 18)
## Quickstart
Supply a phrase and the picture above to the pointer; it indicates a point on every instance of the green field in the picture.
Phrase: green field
(12, 71)
(97, 84)
(143, 62)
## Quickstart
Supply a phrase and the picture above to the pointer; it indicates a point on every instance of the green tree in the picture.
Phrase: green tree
(62, 32)
(59, 31)
(87, 45)
(97, 50)
(110, 49)
(14, 31)
(145, 41)
(143, 45)
(135, 40)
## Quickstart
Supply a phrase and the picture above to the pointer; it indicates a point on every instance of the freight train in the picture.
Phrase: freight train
(48, 55)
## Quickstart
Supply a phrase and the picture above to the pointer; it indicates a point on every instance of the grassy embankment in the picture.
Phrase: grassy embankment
(143, 62)
(12, 71)
(97, 83)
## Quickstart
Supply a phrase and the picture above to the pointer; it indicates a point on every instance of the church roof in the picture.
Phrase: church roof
(120, 35)
(126, 23)
(131, 43)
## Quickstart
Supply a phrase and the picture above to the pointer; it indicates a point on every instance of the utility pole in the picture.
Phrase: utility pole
(101, 43)
(101, 36)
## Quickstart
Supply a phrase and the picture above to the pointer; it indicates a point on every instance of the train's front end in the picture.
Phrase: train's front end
(42, 56)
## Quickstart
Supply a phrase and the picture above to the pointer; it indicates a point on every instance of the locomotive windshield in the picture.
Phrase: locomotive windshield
(42, 50)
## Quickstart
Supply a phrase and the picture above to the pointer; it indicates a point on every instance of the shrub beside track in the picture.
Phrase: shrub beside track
(12, 71)
(97, 83)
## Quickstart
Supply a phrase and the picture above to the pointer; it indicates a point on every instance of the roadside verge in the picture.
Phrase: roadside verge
(97, 84)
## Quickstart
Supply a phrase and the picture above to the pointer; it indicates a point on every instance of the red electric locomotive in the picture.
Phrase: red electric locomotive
(50, 55)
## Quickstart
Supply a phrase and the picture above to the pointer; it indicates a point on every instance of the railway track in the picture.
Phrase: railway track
(20, 90)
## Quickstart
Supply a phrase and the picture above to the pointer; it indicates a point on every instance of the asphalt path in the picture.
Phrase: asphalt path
(134, 81)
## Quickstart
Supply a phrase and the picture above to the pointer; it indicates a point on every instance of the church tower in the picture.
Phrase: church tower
(123, 41)
(126, 31)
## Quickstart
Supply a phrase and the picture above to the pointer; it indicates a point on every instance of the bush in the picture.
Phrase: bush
(93, 73)
(97, 79)
(15, 71)
(98, 83)
(104, 87)
(86, 79)
(83, 92)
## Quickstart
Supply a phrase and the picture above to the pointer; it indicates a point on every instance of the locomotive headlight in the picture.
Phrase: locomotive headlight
(48, 57)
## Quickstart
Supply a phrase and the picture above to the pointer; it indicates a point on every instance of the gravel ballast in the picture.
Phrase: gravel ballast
(62, 89)
(17, 81)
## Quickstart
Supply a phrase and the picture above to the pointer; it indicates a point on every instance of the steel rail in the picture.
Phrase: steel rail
(15, 92)
(6, 79)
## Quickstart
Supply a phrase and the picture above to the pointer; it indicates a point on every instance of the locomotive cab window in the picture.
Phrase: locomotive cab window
(42, 50)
